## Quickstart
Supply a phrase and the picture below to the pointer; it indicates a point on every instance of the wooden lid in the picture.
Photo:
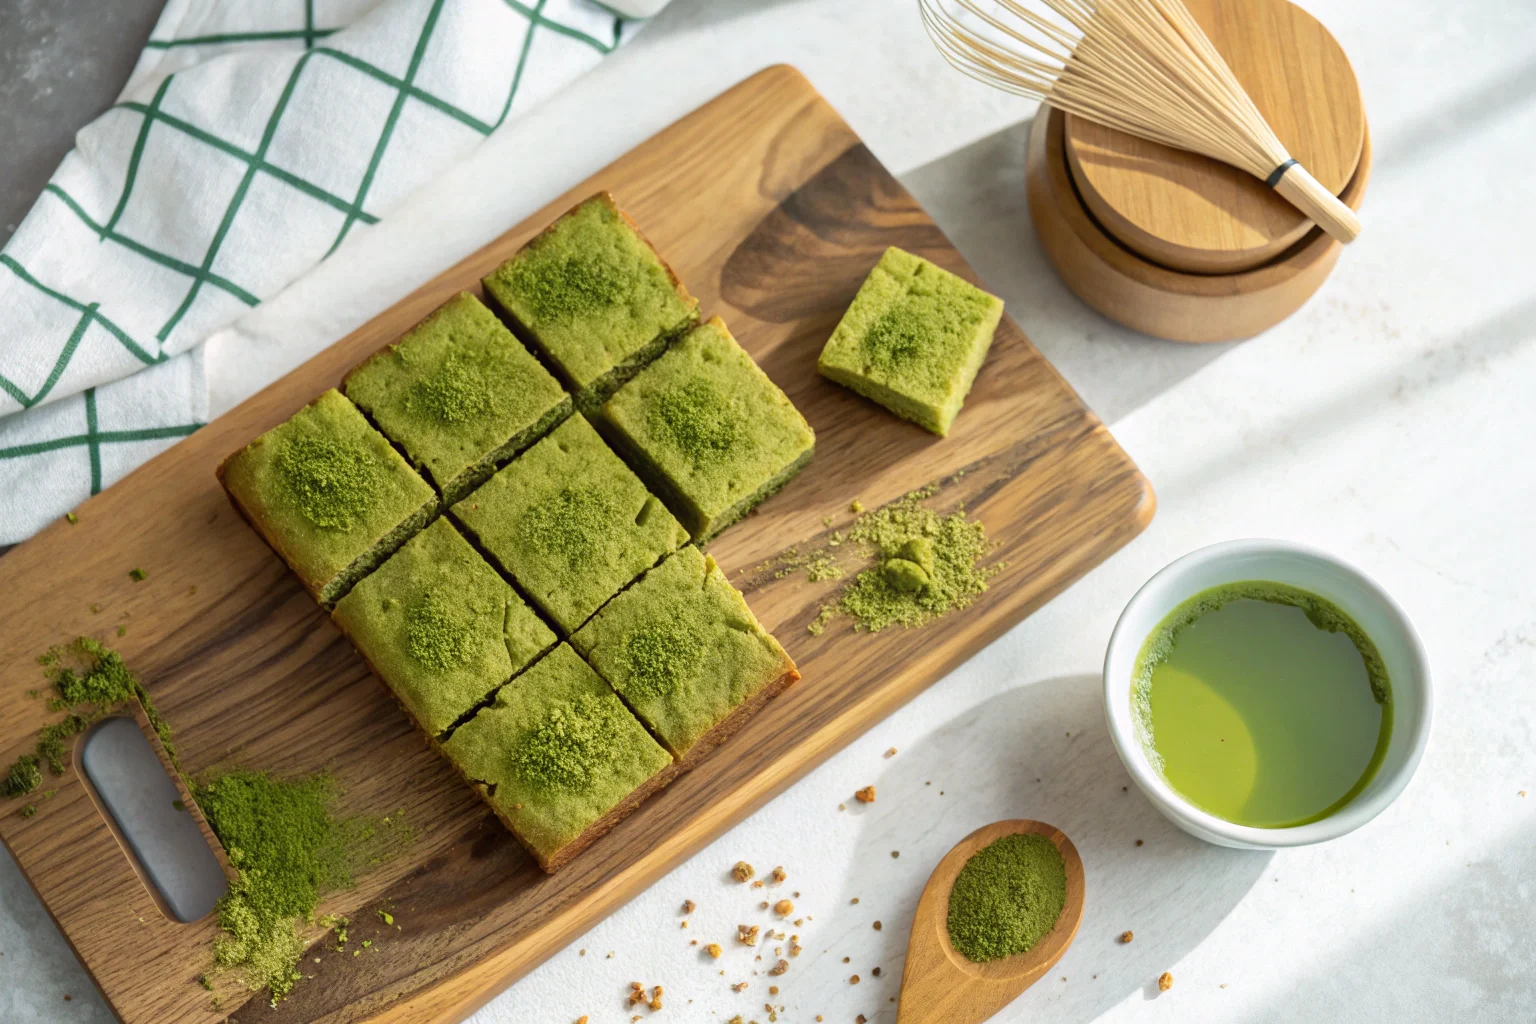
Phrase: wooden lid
(1190, 212)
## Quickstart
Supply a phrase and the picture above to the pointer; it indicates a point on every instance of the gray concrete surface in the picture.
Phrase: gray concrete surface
(61, 63)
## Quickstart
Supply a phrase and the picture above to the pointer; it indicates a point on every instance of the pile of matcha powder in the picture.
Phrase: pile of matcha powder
(1007, 897)
(926, 565)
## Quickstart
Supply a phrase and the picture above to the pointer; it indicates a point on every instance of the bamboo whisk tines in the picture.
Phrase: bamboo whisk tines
(1144, 67)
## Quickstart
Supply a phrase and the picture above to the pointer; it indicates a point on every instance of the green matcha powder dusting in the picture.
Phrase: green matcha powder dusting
(660, 656)
(905, 333)
(569, 523)
(570, 286)
(1006, 898)
(437, 635)
(569, 748)
(331, 484)
(457, 393)
(696, 419)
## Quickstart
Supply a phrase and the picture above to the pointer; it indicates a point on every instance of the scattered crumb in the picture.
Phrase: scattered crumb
(778, 874)
(689, 906)
(582, 1019)
(1223, 984)
(860, 1019)
(778, 969)
(865, 795)
(846, 959)
(895, 854)
(73, 519)
(682, 924)
(740, 986)
(794, 946)
(842, 807)
(581, 952)
(655, 1003)
(714, 950)
(877, 926)
(853, 980)
(746, 934)
(138, 575)
(783, 908)
(1127, 935)
(854, 901)
(855, 506)
(693, 942)
(773, 990)
(742, 872)
(757, 884)
(891, 752)
(1164, 982)
(1138, 842)
(636, 993)
(875, 972)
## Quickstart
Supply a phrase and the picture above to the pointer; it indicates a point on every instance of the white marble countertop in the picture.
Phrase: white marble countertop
(1389, 422)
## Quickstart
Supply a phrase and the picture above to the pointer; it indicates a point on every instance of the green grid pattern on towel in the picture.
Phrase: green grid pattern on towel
(255, 162)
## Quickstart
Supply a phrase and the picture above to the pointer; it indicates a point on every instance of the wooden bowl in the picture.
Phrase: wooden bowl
(1177, 305)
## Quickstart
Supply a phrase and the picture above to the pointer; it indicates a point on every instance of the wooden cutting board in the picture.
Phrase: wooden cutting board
(772, 211)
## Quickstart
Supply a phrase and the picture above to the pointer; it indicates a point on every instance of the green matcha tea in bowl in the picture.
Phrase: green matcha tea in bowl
(1264, 694)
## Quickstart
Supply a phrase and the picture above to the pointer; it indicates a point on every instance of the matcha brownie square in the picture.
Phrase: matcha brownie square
(441, 627)
(686, 653)
(570, 523)
(329, 494)
(710, 433)
(459, 394)
(913, 339)
(595, 298)
(558, 757)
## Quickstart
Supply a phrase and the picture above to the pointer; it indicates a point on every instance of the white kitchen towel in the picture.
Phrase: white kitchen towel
(251, 140)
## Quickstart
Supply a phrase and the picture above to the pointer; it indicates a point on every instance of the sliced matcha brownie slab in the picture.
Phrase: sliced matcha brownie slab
(686, 653)
(913, 339)
(558, 757)
(440, 626)
(459, 394)
(570, 523)
(708, 430)
(595, 297)
(329, 493)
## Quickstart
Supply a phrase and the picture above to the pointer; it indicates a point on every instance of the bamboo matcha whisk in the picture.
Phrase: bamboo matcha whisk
(1143, 67)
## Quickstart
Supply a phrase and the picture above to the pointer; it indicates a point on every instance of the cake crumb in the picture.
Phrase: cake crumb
(757, 884)
(779, 968)
(742, 872)
(875, 972)
(773, 990)
(779, 875)
(1127, 935)
(865, 795)
(746, 934)
(689, 906)
(783, 908)
(877, 926)
(1138, 842)
(740, 986)
(853, 980)
(895, 854)
(891, 752)
(655, 1003)
(714, 950)
(855, 506)
(1164, 982)
(582, 1019)
(854, 901)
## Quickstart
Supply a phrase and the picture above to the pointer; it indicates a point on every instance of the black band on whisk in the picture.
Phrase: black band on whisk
(1279, 172)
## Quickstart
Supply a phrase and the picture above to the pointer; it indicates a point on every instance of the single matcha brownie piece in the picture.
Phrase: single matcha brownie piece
(558, 757)
(570, 523)
(329, 494)
(708, 430)
(913, 339)
(441, 627)
(686, 653)
(595, 298)
(459, 394)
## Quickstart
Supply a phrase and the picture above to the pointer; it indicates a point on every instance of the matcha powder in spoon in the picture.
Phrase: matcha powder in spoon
(1007, 897)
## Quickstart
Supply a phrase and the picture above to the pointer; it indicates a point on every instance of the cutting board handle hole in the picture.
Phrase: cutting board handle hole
(153, 817)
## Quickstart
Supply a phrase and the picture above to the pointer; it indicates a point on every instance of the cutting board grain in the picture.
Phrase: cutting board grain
(772, 211)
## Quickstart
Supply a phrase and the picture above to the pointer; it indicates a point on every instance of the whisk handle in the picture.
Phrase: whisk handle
(1322, 207)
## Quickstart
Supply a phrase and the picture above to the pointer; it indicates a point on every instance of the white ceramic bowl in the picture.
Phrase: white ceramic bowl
(1383, 620)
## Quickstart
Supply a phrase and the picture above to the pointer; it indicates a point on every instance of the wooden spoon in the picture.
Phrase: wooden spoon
(939, 985)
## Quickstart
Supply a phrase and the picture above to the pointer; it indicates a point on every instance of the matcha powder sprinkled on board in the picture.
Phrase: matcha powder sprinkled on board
(927, 565)
(1007, 897)
(331, 484)
(289, 851)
